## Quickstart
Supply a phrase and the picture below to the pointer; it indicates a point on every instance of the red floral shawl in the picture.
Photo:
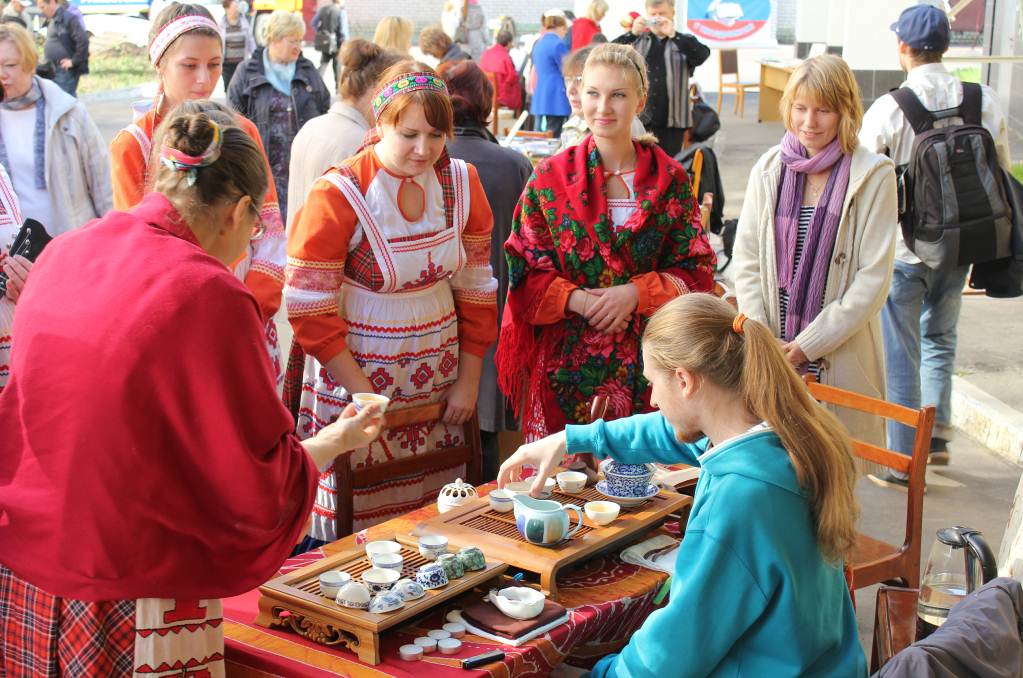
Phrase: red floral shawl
(562, 230)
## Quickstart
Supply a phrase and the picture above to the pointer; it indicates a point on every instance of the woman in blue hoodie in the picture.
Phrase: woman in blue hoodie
(758, 588)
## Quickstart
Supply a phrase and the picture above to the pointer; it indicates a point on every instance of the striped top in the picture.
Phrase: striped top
(805, 215)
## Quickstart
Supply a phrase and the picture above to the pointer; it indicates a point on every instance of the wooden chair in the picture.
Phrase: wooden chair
(874, 561)
(728, 64)
(495, 108)
(346, 478)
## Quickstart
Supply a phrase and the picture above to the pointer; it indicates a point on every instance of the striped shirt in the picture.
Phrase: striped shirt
(805, 215)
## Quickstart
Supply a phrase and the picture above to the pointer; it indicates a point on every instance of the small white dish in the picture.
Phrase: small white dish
(518, 602)
(602, 512)
(363, 399)
(571, 482)
(455, 629)
(523, 487)
(428, 644)
(439, 634)
(379, 579)
(388, 561)
(501, 501)
(432, 546)
(410, 653)
(449, 645)
(331, 582)
(375, 548)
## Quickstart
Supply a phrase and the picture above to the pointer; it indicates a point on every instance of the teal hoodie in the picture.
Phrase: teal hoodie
(751, 594)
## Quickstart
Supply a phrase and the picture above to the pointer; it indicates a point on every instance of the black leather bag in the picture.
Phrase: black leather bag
(706, 122)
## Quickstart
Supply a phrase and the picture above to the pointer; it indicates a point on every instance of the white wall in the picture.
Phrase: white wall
(868, 42)
(812, 21)
(835, 22)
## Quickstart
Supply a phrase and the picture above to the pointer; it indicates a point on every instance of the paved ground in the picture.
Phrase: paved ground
(978, 487)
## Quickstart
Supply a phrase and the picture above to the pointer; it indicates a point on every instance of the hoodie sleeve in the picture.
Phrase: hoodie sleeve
(638, 439)
(708, 576)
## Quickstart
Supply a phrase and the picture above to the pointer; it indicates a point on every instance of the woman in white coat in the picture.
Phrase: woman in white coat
(816, 237)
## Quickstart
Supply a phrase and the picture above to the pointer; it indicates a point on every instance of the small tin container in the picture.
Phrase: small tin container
(410, 653)
(449, 646)
(428, 644)
(438, 634)
(456, 629)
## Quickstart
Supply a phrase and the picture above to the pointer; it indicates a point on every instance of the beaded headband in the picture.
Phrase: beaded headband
(404, 84)
(175, 29)
(179, 161)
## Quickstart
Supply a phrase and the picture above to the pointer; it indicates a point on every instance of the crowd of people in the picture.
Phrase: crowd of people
(152, 466)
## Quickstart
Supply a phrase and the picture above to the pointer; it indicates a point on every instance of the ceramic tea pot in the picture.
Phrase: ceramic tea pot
(455, 494)
(544, 522)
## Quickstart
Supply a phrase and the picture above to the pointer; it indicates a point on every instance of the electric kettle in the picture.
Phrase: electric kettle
(960, 562)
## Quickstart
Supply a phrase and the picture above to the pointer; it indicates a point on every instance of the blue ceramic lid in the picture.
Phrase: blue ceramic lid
(634, 470)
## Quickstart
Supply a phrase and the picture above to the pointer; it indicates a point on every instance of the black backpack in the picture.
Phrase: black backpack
(952, 204)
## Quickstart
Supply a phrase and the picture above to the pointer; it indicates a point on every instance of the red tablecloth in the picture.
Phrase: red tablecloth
(607, 600)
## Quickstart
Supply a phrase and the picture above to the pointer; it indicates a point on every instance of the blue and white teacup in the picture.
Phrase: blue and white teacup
(432, 546)
(409, 589)
(379, 579)
(387, 601)
(626, 480)
(432, 576)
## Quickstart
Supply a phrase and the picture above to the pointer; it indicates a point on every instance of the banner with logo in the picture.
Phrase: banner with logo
(730, 24)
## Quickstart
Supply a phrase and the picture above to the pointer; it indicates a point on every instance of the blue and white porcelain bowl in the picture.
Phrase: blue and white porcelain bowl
(388, 601)
(331, 582)
(626, 480)
(380, 579)
(409, 589)
(432, 576)
(354, 594)
(432, 546)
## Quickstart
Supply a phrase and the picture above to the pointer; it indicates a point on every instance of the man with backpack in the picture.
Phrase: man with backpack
(949, 142)
(330, 23)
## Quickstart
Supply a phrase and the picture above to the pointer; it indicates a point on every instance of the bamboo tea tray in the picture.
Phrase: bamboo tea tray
(293, 601)
(476, 524)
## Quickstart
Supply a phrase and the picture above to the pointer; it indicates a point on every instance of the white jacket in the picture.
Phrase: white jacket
(77, 162)
(846, 336)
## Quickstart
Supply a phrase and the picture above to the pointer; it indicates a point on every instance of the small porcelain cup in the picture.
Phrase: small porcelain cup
(472, 558)
(380, 579)
(571, 481)
(388, 561)
(523, 486)
(453, 567)
(375, 548)
(331, 582)
(431, 546)
(601, 512)
(501, 500)
(386, 601)
(354, 594)
(432, 576)
(363, 399)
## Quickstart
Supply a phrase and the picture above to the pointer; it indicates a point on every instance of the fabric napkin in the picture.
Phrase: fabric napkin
(657, 553)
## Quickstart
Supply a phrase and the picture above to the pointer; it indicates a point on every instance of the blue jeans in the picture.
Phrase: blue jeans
(919, 321)
(67, 80)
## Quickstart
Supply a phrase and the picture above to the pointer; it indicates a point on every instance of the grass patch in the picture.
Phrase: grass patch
(116, 68)
(1017, 171)
(967, 73)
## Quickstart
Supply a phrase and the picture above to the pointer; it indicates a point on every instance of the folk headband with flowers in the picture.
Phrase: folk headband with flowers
(404, 84)
(175, 29)
(180, 161)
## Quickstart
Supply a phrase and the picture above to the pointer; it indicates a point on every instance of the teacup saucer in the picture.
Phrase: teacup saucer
(651, 491)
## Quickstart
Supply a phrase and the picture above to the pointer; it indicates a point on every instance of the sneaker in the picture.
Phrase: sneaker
(938, 456)
(891, 480)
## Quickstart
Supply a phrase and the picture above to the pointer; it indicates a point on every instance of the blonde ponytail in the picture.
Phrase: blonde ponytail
(695, 332)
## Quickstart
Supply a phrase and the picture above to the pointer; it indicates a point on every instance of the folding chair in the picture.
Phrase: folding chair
(728, 64)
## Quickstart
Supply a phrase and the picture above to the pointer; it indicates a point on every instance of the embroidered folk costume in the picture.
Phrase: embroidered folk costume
(131, 152)
(10, 224)
(566, 235)
(405, 297)
(157, 473)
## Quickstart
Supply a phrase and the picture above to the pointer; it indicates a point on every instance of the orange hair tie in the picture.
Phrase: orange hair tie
(737, 323)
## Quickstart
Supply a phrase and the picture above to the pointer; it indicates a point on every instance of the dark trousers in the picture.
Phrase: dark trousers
(669, 138)
(228, 72)
(328, 58)
(552, 124)
(67, 80)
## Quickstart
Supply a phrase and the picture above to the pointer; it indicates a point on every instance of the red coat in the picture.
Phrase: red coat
(498, 61)
(583, 30)
(145, 452)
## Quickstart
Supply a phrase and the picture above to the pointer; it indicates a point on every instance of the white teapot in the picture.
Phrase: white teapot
(455, 494)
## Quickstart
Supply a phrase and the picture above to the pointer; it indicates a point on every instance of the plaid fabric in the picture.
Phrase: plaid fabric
(293, 375)
(44, 635)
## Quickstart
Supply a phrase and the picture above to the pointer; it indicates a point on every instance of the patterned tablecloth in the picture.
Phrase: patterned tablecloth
(607, 600)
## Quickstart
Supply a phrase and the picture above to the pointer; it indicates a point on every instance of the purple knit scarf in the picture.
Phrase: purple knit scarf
(805, 283)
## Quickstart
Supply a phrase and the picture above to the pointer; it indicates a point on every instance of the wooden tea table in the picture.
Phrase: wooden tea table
(608, 600)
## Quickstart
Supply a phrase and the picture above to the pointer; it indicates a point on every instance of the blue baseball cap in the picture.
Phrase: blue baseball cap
(923, 27)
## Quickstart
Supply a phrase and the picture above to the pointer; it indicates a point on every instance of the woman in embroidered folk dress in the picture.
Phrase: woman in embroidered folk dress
(605, 233)
(114, 564)
(187, 50)
(390, 290)
(16, 268)
(816, 242)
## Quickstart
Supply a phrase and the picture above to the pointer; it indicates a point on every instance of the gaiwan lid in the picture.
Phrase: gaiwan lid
(620, 469)
(459, 490)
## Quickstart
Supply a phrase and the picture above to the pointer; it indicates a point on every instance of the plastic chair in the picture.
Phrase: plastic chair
(728, 64)
(873, 561)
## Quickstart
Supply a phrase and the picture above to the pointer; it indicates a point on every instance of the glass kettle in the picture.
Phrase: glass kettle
(960, 562)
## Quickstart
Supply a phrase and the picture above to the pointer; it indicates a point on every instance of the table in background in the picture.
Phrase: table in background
(774, 75)
(607, 599)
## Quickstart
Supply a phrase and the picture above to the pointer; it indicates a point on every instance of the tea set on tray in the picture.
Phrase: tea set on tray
(382, 589)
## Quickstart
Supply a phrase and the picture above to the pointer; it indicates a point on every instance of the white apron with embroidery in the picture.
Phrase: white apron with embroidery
(10, 224)
(404, 337)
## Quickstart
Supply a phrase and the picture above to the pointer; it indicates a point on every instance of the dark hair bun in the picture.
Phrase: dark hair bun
(357, 53)
(190, 133)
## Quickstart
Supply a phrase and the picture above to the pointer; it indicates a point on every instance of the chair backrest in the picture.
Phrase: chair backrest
(728, 60)
(921, 420)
